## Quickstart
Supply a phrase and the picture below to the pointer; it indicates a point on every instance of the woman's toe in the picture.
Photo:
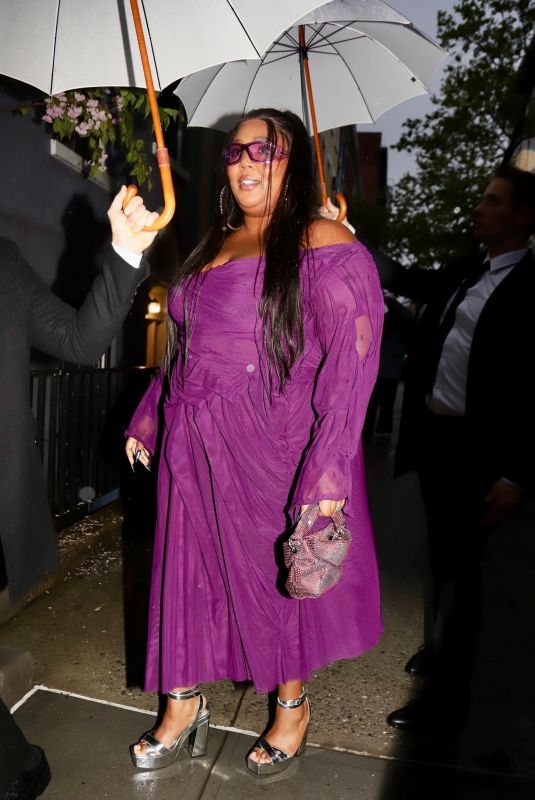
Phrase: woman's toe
(261, 757)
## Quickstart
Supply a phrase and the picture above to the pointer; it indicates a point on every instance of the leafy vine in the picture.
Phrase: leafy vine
(104, 117)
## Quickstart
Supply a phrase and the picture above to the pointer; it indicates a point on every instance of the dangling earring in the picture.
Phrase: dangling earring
(285, 195)
(226, 225)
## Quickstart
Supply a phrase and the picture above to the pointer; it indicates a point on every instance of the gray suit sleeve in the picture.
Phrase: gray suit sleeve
(82, 335)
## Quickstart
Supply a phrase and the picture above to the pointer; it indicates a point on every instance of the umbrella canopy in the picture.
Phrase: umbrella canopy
(57, 46)
(364, 57)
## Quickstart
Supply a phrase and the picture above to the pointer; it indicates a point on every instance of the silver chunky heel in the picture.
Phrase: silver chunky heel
(157, 755)
(279, 759)
(198, 739)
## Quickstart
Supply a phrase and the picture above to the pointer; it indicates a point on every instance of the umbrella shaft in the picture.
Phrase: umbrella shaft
(161, 150)
(148, 76)
(312, 109)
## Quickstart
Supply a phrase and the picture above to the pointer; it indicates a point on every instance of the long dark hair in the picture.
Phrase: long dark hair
(286, 233)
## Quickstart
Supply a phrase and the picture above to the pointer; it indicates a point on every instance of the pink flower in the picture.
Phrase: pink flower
(81, 129)
(74, 112)
(92, 103)
(102, 115)
(46, 118)
(79, 96)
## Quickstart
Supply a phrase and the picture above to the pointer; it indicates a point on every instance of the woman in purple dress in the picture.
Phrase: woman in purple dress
(272, 355)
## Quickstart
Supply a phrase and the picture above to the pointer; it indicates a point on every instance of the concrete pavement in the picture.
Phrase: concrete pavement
(86, 744)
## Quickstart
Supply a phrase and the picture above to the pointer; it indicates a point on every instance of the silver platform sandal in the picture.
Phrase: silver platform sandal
(279, 759)
(157, 755)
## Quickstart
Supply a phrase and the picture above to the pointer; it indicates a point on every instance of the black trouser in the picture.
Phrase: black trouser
(15, 752)
(453, 500)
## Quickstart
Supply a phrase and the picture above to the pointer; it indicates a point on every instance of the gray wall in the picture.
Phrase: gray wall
(37, 190)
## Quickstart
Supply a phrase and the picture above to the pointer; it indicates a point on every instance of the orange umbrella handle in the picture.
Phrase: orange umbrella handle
(161, 151)
(342, 205)
(167, 185)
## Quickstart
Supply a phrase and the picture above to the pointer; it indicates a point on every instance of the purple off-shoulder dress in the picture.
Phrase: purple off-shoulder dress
(232, 460)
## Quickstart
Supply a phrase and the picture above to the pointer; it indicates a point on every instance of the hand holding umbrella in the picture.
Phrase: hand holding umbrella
(131, 224)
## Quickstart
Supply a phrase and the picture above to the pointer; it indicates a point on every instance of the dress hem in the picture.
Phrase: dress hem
(245, 676)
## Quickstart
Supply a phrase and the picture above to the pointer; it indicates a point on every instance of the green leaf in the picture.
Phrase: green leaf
(459, 144)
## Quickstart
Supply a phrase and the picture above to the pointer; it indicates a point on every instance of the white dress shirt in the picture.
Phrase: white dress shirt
(448, 396)
(134, 259)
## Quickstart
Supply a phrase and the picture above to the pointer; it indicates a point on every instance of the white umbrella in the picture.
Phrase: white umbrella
(69, 44)
(362, 57)
(58, 45)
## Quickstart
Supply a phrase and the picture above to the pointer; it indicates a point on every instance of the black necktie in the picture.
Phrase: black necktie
(449, 318)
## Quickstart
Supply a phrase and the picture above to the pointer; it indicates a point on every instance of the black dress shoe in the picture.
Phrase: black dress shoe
(421, 663)
(33, 781)
(426, 713)
(414, 716)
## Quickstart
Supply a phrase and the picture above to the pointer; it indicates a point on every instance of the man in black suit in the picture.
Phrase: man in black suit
(467, 424)
(32, 316)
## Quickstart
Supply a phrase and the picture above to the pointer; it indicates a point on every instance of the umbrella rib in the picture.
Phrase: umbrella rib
(391, 52)
(338, 28)
(283, 45)
(326, 38)
(151, 44)
(292, 38)
(317, 32)
(344, 62)
(288, 54)
(243, 27)
(203, 94)
(340, 41)
(54, 51)
(250, 88)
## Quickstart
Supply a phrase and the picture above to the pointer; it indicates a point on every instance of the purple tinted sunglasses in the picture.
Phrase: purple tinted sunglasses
(259, 151)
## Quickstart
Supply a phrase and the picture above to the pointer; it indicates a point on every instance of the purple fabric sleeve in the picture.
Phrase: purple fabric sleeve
(144, 424)
(348, 309)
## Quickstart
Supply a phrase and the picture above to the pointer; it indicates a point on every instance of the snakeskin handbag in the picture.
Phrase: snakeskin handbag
(314, 558)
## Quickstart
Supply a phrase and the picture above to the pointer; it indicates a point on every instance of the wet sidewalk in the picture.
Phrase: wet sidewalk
(86, 743)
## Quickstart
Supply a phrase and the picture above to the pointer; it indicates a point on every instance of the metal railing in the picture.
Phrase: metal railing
(80, 417)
